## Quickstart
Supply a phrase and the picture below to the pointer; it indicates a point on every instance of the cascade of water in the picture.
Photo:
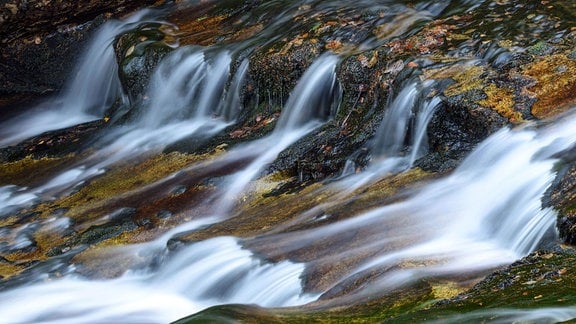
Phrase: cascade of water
(401, 137)
(211, 272)
(92, 88)
(188, 86)
(487, 213)
(314, 99)
(191, 94)
(219, 271)
(187, 93)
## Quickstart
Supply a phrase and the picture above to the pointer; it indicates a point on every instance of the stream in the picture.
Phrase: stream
(484, 214)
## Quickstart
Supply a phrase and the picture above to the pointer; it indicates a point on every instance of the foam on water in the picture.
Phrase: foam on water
(488, 212)
(211, 272)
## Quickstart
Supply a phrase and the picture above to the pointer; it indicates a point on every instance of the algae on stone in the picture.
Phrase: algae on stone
(555, 84)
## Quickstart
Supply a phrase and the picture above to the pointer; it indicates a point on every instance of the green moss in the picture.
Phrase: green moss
(125, 178)
(543, 279)
(259, 212)
(540, 48)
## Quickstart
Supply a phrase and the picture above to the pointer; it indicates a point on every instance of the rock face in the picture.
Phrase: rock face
(21, 20)
(41, 40)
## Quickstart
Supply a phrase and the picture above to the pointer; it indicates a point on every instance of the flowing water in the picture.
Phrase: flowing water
(486, 213)
(92, 88)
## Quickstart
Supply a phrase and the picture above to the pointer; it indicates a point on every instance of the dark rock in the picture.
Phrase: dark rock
(458, 125)
(138, 52)
(164, 214)
(37, 271)
(562, 196)
(56, 143)
(42, 40)
(121, 215)
(115, 224)
(99, 233)
(23, 19)
(55, 55)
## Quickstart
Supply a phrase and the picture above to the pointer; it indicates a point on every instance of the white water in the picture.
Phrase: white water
(314, 99)
(211, 272)
(216, 271)
(487, 213)
(188, 98)
(401, 138)
(545, 315)
(92, 88)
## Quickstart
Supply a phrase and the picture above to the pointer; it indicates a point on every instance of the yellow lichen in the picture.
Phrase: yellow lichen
(555, 84)
(201, 31)
(446, 290)
(28, 171)
(247, 32)
(501, 100)
(128, 177)
(467, 78)
(9, 270)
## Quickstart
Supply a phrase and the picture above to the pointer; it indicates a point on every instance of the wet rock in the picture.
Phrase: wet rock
(138, 53)
(121, 215)
(18, 240)
(178, 190)
(542, 278)
(55, 54)
(99, 233)
(164, 214)
(457, 126)
(41, 40)
(21, 19)
(232, 314)
(37, 271)
(563, 199)
(112, 225)
(56, 143)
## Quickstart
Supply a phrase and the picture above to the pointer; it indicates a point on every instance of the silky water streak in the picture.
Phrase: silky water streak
(487, 213)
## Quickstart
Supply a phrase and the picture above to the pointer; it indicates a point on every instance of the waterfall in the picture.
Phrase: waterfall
(314, 99)
(188, 86)
(488, 212)
(330, 250)
(92, 89)
(192, 93)
(188, 97)
(401, 138)
(211, 272)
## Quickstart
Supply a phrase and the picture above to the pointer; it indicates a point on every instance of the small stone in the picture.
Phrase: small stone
(164, 214)
(179, 190)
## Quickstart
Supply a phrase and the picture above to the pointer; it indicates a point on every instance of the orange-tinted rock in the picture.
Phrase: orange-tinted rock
(555, 84)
